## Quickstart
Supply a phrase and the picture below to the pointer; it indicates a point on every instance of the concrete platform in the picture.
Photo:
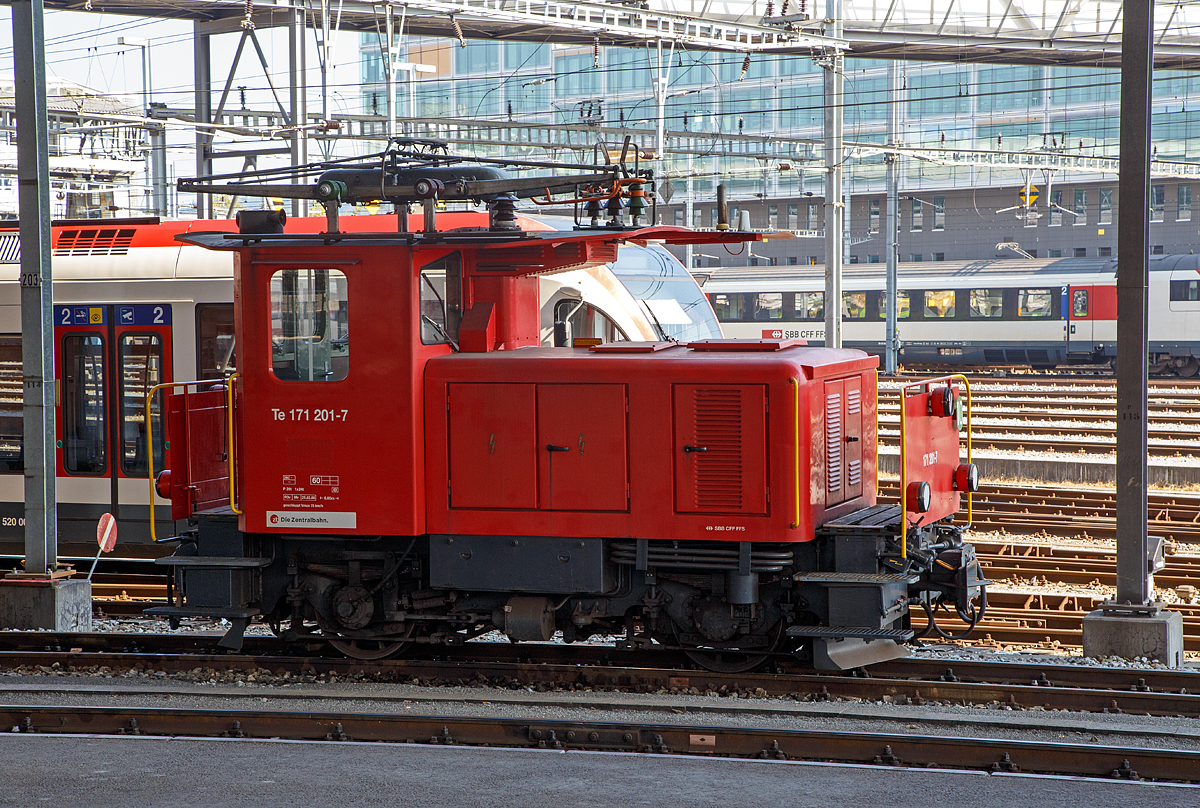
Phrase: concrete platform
(1078, 470)
(64, 604)
(120, 772)
(1158, 636)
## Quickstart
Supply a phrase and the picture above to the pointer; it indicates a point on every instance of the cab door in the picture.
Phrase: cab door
(107, 358)
(1079, 319)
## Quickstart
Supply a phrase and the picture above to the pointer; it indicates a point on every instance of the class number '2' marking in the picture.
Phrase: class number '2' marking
(158, 315)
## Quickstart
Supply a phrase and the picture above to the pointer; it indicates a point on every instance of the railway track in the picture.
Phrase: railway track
(890, 749)
(904, 681)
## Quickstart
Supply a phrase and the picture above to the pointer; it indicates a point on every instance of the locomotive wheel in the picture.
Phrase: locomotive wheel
(368, 649)
(720, 660)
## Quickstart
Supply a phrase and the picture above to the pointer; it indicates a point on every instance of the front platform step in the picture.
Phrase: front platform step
(875, 519)
(854, 578)
(852, 632)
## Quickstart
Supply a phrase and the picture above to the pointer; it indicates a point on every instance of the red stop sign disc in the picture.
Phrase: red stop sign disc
(106, 533)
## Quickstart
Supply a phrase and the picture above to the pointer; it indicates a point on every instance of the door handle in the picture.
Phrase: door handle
(550, 447)
(690, 449)
(852, 439)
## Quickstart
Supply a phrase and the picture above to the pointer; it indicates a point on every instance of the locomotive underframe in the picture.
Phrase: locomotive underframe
(839, 601)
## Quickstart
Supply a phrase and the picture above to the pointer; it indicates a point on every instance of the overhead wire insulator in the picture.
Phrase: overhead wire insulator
(783, 9)
(248, 16)
(458, 32)
(745, 68)
(770, 9)
(595, 52)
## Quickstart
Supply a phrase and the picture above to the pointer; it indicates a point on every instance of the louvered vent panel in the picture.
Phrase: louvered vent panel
(10, 248)
(94, 242)
(853, 402)
(833, 441)
(854, 473)
(718, 413)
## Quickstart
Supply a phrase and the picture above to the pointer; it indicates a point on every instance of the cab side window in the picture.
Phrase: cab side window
(441, 300)
(310, 326)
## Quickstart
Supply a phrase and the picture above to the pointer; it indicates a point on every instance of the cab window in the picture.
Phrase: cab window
(310, 331)
(441, 300)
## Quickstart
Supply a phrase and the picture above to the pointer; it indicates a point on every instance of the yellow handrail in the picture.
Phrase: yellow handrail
(904, 455)
(796, 389)
(150, 438)
(232, 473)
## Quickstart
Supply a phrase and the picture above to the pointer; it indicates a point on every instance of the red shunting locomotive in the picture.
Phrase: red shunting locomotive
(449, 477)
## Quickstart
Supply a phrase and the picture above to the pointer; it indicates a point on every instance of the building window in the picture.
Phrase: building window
(939, 256)
(1158, 202)
(1106, 252)
(1056, 209)
(1033, 253)
(1184, 195)
(772, 217)
(1106, 205)
(1081, 252)
(1054, 253)
(679, 217)
(812, 218)
(793, 214)
(697, 218)
(918, 218)
(854, 259)
(873, 215)
(872, 259)
(1080, 209)
(939, 213)
(793, 260)
(939, 304)
(915, 257)
(1157, 249)
(812, 260)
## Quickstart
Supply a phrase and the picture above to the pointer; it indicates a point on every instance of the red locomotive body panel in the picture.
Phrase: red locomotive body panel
(542, 441)
(933, 453)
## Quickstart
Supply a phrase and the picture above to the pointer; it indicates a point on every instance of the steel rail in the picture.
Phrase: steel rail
(891, 749)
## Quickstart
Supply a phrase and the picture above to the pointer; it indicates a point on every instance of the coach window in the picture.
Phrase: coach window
(441, 300)
(901, 305)
(216, 354)
(84, 414)
(1079, 303)
(310, 329)
(768, 306)
(810, 305)
(854, 305)
(141, 367)
(987, 302)
(1035, 303)
(729, 308)
(1185, 290)
(12, 420)
(939, 304)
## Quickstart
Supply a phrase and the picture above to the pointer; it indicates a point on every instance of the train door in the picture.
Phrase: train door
(1079, 319)
(106, 360)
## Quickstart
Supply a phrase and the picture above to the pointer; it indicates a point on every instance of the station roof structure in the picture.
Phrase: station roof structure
(1086, 32)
